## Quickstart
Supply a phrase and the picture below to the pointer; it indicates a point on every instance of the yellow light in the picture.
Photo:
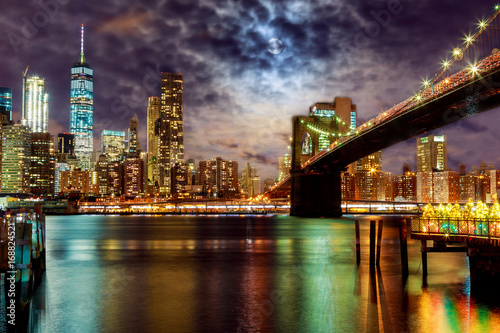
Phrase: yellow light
(474, 69)
(446, 63)
(419, 97)
(426, 82)
(457, 51)
(482, 24)
(468, 38)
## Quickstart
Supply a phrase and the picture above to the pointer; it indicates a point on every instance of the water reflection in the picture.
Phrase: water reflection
(244, 274)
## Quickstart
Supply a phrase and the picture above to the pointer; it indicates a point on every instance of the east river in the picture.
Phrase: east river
(245, 274)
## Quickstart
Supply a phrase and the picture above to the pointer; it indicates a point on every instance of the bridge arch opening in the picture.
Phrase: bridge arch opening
(307, 144)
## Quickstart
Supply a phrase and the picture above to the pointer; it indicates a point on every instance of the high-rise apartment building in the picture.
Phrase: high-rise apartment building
(219, 178)
(372, 162)
(424, 187)
(153, 113)
(35, 104)
(446, 187)
(134, 176)
(405, 187)
(16, 159)
(431, 153)
(81, 122)
(6, 103)
(113, 144)
(42, 168)
(170, 130)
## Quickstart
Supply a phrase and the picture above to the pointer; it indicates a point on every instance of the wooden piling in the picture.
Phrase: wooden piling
(424, 257)
(358, 243)
(403, 247)
(372, 245)
(379, 240)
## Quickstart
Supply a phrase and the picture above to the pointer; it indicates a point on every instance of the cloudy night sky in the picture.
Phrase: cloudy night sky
(238, 96)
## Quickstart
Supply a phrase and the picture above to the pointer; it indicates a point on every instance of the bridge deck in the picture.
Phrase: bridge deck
(472, 231)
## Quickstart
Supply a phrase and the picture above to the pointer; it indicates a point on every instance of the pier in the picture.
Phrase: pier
(22, 262)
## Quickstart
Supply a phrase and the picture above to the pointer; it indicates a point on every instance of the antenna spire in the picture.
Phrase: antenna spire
(82, 58)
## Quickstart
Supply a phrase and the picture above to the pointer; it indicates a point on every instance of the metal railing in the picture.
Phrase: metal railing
(456, 226)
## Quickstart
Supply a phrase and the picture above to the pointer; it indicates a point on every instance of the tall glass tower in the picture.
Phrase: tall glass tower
(81, 122)
(35, 112)
(6, 103)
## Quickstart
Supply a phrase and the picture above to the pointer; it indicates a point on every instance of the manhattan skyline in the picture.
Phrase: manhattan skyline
(239, 97)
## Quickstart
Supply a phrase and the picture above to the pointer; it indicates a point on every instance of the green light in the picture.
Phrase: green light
(497, 7)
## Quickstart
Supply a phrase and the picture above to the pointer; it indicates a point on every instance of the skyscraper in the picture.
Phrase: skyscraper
(42, 169)
(134, 147)
(431, 153)
(6, 103)
(35, 110)
(170, 129)
(154, 107)
(82, 109)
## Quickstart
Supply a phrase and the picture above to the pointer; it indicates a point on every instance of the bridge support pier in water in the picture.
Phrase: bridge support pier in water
(484, 263)
(315, 194)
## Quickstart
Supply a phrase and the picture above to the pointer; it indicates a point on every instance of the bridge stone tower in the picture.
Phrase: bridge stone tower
(317, 192)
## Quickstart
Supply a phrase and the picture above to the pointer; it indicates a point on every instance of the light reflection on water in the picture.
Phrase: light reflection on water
(244, 274)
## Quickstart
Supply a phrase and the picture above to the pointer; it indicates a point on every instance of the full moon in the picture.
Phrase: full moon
(275, 46)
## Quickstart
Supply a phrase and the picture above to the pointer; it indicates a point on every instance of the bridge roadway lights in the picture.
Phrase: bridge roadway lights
(316, 195)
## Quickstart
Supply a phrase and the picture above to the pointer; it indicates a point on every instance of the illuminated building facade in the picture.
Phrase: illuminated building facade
(79, 181)
(431, 153)
(35, 104)
(153, 113)
(219, 178)
(446, 187)
(170, 129)
(405, 187)
(16, 159)
(59, 167)
(268, 183)
(348, 186)
(6, 103)
(424, 187)
(371, 183)
(113, 144)
(134, 176)
(81, 122)
(371, 162)
(42, 168)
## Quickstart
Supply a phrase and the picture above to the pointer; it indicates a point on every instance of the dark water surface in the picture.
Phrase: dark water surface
(245, 274)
